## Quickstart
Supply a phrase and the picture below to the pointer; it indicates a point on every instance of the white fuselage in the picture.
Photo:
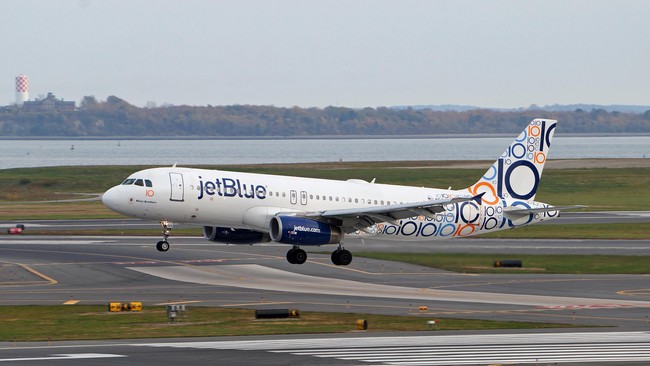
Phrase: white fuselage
(249, 201)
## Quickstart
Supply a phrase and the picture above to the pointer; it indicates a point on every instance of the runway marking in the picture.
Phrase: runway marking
(36, 273)
(135, 263)
(495, 348)
(258, 303)
(637, 292)
(204, 260)
(580, 307)
(508, 282)
(71, 302)
(178, 302)
(73, 356)
(253, 276)
(424, 273)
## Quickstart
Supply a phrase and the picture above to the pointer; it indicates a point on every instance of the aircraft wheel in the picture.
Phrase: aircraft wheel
(300, 256)
(335, 257)
(344, 257)
(162, 246)
(291, 256)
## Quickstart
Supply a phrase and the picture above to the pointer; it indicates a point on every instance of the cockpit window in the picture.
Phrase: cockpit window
(137, 182)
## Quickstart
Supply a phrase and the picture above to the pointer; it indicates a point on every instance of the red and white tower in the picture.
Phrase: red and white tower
(22, 89)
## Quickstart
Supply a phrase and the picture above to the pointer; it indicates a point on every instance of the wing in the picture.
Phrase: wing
(354, 219)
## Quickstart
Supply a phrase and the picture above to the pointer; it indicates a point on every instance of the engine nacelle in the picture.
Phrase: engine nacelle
(234, 236)
(302, 231)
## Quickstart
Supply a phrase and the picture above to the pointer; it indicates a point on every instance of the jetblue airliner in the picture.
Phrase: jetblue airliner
(244, 208)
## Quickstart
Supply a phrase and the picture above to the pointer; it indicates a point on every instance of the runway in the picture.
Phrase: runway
(544, 348)
(97, 270)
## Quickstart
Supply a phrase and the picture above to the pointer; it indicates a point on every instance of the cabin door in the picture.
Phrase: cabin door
(177, 187)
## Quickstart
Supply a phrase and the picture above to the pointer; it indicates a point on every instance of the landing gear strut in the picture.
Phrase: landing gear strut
(163, 245)
(341, 257)
(296, 255)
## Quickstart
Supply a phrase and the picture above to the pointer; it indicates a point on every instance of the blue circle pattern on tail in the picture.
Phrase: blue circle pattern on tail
(517, 172)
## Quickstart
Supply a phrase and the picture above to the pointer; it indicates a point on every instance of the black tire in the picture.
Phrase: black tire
(300, 256)
(291, 256)
(344, 257)
(162, 246)
(335, 257)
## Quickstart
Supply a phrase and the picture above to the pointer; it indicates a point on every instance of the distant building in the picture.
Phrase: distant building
(48, 104)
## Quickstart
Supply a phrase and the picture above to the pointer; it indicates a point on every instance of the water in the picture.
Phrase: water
(36, 153)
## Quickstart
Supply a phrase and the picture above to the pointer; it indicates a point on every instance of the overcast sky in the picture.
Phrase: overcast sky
(509, 53)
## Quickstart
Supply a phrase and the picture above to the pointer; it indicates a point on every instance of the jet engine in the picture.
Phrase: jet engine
(301, 231)
(234, 236)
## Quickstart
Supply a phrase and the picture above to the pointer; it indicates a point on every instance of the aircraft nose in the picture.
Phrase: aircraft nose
(110, 199)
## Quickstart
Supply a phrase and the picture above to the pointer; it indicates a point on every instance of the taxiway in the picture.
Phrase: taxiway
(97, 270)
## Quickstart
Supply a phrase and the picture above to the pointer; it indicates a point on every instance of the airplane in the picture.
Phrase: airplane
(246, 208)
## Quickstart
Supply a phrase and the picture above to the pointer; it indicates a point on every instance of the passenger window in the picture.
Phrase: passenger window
(147, 182)
(356, 200)
(139, 182)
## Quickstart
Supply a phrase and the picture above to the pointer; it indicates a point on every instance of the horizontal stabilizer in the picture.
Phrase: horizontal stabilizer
(517, 211)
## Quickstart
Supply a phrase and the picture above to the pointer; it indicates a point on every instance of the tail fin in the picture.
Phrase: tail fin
(517, 172)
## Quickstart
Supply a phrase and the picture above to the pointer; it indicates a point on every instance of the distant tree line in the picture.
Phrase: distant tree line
(117, 117)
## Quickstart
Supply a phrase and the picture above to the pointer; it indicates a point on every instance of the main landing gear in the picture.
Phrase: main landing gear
(340, 256)
(163, 245)
(296, 255)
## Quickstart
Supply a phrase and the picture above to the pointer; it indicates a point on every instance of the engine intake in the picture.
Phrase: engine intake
(302, 231)
(234, 236)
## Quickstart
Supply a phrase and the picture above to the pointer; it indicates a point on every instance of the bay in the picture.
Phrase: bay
(39, 153)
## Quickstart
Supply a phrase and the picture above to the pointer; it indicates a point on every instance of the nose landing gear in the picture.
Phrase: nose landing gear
(163, 245)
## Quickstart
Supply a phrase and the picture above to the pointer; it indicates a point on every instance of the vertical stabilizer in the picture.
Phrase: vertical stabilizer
(517, 172)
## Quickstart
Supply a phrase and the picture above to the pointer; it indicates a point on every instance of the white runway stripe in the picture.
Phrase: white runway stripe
(531, 348)
(459, 355)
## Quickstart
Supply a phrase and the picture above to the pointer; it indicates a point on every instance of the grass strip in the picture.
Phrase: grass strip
(598, 188)
(87, 322)
(553, 264)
